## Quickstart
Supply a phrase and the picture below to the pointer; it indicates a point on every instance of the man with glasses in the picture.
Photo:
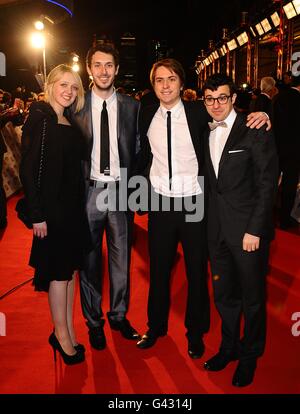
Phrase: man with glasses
(241, 176)
(172, 153)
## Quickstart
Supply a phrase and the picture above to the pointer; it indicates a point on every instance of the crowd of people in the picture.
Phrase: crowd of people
(78, 150)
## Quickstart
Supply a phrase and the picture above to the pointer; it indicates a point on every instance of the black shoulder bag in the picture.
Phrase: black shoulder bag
(22, 206)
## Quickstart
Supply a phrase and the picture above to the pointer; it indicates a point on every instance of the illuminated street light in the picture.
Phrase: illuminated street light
(75, 67)
(38, 42)
(39, 25)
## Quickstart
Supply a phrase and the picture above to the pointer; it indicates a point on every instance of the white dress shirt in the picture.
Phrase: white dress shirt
(218, 138)
(184, 161)
(112, 110)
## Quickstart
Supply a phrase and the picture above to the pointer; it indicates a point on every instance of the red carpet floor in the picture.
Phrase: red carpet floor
(26, 360)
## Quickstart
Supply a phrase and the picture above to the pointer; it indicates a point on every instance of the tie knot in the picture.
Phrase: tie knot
(104, 105)
(169, 114)
(214, 125)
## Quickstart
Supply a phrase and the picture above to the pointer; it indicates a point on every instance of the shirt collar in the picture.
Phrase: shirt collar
(230, 118)
(98, 101)
(175, 111)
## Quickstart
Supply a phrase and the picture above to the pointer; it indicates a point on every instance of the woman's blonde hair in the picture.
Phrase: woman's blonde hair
(55, 75)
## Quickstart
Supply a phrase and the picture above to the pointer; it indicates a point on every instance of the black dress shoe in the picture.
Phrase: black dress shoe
(97, 338)
(244, 373)
(196, 349)
(3, 224)
(219, 361)
(127, 331)
(148, 340)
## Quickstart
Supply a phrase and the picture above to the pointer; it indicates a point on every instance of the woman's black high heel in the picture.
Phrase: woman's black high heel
(68, 359)
(79, 348)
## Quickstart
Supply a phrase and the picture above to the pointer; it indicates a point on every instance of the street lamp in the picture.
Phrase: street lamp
(75, 63)
(38, 41)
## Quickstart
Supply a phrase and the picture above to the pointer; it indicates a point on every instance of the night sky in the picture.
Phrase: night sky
(183, 23)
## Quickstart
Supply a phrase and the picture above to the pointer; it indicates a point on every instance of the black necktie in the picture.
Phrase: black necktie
(169, 148)
(104, 136)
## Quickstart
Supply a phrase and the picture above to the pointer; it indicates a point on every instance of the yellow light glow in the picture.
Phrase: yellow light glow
(39, 25)
(232, 44)
(266, 25)
(296, 4)
(38, 40)
(289, 10)
(75, 67)
(275, 19)
(242, 38)
(259, 29)
(252, 31)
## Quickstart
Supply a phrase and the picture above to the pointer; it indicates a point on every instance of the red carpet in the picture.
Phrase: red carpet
(26, 359)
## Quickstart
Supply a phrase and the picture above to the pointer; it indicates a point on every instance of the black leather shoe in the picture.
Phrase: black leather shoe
(3, 224)
(127, 331)
(97, 338)
(219, 361)
(244, 373)
(148, 340)
(196, 349)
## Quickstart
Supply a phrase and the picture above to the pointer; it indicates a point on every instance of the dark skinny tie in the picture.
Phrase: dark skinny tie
(169, 148)
(104, 136)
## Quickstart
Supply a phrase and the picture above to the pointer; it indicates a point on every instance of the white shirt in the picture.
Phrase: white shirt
(218, 138)
(112, 110)
(184, 161)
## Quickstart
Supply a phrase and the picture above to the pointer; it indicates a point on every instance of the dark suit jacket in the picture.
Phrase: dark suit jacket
(285, 119)
(240, 200)
(197, 119)
(127, 125)
(263, 103)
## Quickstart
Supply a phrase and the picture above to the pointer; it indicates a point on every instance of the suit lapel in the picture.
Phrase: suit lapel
(208, 161)
(237, 130)
(146, 118)
(121, 113)
(194, 132)
(86, 118)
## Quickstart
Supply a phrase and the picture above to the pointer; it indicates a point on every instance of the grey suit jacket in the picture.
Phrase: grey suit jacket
(127, 130)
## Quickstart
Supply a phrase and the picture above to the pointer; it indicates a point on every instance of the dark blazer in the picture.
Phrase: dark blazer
(285, 119)
(263, 103)
(197, 119)
(42, 204)
(240, 200)
(127, 125)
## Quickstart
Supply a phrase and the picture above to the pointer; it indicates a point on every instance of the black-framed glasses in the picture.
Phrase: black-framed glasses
(222, 100)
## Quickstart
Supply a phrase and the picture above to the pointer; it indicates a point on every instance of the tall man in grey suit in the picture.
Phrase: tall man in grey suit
(109, 124)
(241, 177)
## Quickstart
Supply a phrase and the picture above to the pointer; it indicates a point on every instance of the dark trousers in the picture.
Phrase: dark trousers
(166, 229)
(115, 224)
(3, 211)
(290, 178)
(239, 288)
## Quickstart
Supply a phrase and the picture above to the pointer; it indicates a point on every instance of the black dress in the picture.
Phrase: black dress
(59, 254)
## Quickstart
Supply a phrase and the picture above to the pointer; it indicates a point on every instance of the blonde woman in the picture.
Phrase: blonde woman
(55, 201)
